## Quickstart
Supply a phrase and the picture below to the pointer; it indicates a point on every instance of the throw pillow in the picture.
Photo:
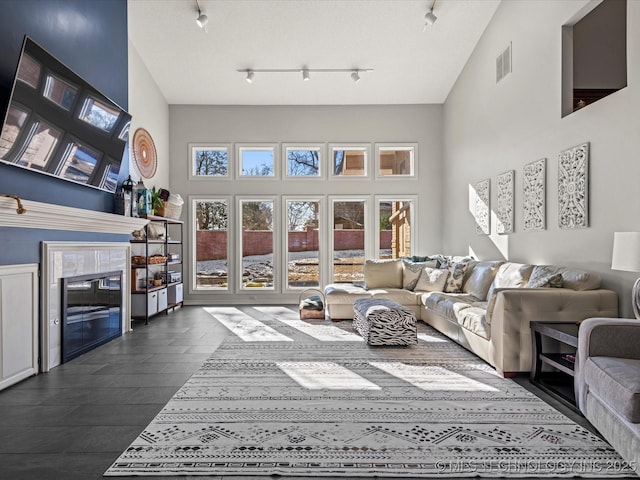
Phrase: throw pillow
(456, 277)
(548, 281)
(411, 271)
(383, 273)
(432, 280)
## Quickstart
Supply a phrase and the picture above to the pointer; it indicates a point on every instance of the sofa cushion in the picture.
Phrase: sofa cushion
(546, 281)
(511, 275)
(398, 295)
(479, 281)
(474, 319)
(339, 293)
(447, 304)
(432, 280)
(572, 278)
(411, 271)
(383, 273)
(455, 280)
(617, 382)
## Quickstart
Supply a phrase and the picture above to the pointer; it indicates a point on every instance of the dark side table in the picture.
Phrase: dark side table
(559, 381)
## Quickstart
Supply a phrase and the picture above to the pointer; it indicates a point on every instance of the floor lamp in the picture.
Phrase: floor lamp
(626, 257)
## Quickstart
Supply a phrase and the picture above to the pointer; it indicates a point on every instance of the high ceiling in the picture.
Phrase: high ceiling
(409, 65)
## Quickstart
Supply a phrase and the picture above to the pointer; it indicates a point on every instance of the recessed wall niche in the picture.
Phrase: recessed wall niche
(594, 54)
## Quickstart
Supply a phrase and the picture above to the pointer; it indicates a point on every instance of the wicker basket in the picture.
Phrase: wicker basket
(170, 210)
(307, 313)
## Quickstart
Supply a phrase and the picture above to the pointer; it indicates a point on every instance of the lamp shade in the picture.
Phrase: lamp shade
(626, 251)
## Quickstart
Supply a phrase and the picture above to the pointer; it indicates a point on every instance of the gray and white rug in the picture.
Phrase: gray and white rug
(315, 400)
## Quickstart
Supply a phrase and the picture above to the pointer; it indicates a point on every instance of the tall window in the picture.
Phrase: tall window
(395, 233)
(302, 243)
(349, 240)
(257, 244)
(211, 244)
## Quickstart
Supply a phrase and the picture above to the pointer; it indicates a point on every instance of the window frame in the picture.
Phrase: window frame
(322, 224)
(412, 216)
(276, 235)
(366, 147)
(239, 147)
(412, 147)
(322, 155)
(368, 242)
(193, 147)
(193, 221)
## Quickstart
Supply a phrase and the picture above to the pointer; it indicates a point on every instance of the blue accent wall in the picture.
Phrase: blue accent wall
(90, 37)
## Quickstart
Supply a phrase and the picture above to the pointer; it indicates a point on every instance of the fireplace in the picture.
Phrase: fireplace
(91, 312)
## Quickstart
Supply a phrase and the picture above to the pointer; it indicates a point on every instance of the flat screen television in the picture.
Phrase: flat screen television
(58, 124)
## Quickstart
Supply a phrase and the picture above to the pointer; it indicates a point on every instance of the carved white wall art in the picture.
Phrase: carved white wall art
(534, 196)
(573, 187)
(481, 211)
(504, 213)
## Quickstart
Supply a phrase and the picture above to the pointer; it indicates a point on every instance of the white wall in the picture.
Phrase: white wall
(317, 124)
(149, 110)
(489, 129)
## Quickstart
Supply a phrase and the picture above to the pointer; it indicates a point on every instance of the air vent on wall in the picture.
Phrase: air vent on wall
(503, 64)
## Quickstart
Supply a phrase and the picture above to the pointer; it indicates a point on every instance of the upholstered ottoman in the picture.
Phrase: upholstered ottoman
(384, 322)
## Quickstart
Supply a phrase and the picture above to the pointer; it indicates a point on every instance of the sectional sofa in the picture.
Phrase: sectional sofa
(485, 306)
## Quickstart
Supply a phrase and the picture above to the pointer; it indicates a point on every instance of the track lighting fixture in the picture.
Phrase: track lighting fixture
(202, 19)
(429, 17)
(306, 72)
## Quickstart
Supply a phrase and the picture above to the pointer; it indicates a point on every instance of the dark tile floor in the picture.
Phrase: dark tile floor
(74, 421)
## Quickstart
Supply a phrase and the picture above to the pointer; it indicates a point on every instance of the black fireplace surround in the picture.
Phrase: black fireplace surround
(91, 312)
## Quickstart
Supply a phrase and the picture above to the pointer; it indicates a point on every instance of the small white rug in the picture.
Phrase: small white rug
(324, 408)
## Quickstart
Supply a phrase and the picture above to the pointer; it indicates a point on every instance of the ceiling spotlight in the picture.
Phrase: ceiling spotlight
(355, 76)
(202, 19)
(305, 75)
(429, 17)
(250, 75)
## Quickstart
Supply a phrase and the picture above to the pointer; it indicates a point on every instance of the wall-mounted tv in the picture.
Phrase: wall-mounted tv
(58, 124)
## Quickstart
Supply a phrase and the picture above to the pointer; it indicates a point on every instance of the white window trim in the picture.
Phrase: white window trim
(277, 236)
(412, 215)
(368, 242)
(349, 146)
(397, 146)
(322, 159)
(231, 274)
(322, 227)
(257, 146)
(211, 146)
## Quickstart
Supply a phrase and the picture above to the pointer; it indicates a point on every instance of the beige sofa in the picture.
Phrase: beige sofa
(486, 306)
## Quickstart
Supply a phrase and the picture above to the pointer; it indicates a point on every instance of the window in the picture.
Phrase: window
(349, 160)
(40, 145)
(302, 243)
(99, 114)
(395, 233)
(594, 54)
(210, 161)
(303, 161)
(257, 244)
(211, 257)
(29, 71)
(349, 244)
(397, 160)
(257, 161)
(60, 92)
(78, 162)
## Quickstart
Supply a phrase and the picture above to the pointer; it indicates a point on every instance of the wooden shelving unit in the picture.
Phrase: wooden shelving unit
(163, 237)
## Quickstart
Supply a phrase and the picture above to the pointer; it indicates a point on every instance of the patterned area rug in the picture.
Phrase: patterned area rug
(315, 404)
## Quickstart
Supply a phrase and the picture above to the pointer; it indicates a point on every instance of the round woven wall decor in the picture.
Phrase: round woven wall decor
(144, 153)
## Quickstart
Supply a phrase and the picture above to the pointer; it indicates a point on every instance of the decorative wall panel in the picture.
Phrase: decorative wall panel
(504, 213)
(534, 196)
(482, 212)
(573, 187)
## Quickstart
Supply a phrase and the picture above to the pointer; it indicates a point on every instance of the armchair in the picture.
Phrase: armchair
(607, 382)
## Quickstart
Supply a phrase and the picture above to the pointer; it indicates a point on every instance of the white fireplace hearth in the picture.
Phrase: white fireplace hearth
(72, 259)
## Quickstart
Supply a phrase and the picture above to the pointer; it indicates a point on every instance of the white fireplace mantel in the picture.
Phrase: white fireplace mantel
(59, 217)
